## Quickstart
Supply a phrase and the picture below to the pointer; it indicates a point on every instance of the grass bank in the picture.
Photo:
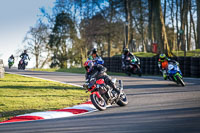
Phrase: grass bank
(20, 95)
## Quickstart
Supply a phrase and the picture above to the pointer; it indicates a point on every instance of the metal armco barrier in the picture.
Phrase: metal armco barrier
(2, 71)
(190, 66)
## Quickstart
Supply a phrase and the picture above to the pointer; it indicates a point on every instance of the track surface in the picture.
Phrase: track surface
(155, 106)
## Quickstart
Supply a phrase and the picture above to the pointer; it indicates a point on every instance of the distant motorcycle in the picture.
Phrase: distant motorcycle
(23, 63)
(102, 95)
(133, 66)
(174, 73)
(10, 62)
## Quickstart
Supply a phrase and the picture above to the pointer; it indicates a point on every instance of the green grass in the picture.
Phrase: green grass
(142, 54)
(192, 53)
(20, 95)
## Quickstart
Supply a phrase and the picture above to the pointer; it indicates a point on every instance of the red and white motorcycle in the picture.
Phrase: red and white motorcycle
(103, 95)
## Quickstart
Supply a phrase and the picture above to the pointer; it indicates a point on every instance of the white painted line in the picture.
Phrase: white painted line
(46, 79)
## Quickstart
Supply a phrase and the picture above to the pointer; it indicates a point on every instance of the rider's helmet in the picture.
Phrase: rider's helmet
(162, 57)
(126, 51)
(25, 51)
(94, 51)
(88, 65)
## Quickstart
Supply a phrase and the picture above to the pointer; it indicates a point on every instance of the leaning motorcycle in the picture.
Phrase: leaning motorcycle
(103, 95)
(10, 62)
(23, 63)
(174, 73)
(133, 66)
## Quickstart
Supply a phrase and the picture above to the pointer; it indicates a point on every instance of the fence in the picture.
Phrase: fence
(190, 66)
(1, 69)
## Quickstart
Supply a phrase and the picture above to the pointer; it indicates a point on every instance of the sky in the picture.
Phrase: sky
(16, 17)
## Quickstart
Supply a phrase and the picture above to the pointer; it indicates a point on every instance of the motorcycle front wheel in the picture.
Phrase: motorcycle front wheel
(99, 103)
(180, 80)
(139, 72)
(123, 101)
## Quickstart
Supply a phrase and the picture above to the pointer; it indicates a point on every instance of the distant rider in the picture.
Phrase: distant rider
(98, 72)
(127, 56)
(163, 64)
(12, 58)
(25, 56)
(95, 57)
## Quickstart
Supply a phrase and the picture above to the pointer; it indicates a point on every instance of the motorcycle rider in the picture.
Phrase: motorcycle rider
(12, 58)
(163, 64)
(25, 56)
(126, 60)
(95, 57)
(99, 72)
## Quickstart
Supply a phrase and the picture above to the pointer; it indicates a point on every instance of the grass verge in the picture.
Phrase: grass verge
(20, 95)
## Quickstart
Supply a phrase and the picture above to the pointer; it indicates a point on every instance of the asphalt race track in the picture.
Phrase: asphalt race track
(155, 106)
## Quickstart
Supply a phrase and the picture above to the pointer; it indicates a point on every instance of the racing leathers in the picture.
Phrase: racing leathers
(99, 72)
(25, 56)
(126, 61)
(163, 65)
(97, 59)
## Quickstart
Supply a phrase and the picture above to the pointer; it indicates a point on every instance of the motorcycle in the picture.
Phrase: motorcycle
(103, 95)
(133, 66)
(10, 62)
(23, 63)
(174, 73)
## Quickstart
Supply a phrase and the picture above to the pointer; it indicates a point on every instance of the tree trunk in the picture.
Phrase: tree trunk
(198, 24)
(193, 28)
(36, 56)
(150, 29)
(177, 25)
(126, 6)
(189, 29)
(165, 8)
(142, 26)
(184, 12)
(160, 29)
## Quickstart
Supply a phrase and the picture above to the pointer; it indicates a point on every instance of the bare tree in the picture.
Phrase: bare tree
(36, 40)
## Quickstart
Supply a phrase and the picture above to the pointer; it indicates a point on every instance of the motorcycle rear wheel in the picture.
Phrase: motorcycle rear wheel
(99, 103)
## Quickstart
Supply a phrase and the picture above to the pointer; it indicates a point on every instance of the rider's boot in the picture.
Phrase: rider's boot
(164, 75)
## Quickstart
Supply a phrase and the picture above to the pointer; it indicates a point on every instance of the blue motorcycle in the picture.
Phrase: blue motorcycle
(174, 73)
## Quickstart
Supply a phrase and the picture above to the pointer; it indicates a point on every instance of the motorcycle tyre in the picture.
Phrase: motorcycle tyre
(122, 102)
(19, 66)
(93, 98)
(139, 72)
(180, 80)
(23, 66)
